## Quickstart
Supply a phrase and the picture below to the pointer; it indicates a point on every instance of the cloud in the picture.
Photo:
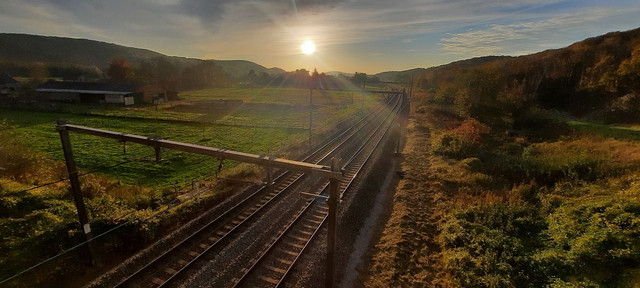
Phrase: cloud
(527, 37)
(270, 31)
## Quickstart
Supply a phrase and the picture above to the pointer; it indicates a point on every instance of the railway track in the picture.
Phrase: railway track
(213, 236)
(276, 261)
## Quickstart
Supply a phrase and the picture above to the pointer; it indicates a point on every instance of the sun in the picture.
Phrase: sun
(308, 47)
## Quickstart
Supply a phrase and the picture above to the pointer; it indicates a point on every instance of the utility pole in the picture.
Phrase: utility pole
(310, 114)
(334, 195)
(411, 88)
(75, 184)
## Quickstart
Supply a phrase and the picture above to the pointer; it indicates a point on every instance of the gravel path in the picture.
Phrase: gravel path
(371, 226)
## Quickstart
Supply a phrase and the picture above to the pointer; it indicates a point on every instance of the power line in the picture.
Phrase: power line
(170, 206)
(79, 175)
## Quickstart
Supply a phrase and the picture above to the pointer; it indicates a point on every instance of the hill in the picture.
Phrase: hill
(587, 78)
(22, 49)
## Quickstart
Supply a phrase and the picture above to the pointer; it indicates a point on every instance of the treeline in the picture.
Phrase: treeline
(38, 69)
(174, 75)
(164, 72)
(301, 78)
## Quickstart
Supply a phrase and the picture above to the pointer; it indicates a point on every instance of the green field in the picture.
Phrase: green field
(129, 187)
(267, 121)
(608, 131)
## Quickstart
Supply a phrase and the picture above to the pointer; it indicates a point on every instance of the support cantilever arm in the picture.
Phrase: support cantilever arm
(262, 160)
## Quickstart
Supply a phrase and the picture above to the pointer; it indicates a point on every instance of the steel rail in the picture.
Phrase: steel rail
(217, 221)
(389, 119)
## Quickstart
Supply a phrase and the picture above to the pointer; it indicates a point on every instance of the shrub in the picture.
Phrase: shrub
(539, 125)
(587, 235)
(463, 141)
(490, 246)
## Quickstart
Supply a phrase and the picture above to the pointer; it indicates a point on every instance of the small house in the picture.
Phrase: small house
(8, 86)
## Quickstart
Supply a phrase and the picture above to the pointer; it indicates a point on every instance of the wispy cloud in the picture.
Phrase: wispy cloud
(526, 37)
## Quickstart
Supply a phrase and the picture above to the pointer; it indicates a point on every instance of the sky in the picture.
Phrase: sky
(367, 36)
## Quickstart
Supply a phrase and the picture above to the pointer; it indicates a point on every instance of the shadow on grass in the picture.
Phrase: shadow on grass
(609, 131)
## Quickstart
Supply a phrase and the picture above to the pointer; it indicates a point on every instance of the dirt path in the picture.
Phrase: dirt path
(406, 253)
(371, 226)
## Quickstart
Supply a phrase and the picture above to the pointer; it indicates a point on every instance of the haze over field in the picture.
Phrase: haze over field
(367, 36)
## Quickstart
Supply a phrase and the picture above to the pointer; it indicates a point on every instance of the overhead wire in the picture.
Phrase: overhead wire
(171, 205)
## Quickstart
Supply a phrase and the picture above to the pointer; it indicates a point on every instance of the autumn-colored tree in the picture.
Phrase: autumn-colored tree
(629, 72)
(38, 72)
(120, 70)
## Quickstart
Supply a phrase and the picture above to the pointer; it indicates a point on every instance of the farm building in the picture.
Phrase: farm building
(8, 86)
(107, 93)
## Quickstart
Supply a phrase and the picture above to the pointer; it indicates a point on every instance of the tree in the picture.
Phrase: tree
(120, 70)
(204, 75)
(359, 78)
(159, 71)
(38, 72)
(315, 79)
(629, 72)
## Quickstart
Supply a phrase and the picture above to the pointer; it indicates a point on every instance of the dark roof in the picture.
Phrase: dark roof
(87, 87)
(6, 79)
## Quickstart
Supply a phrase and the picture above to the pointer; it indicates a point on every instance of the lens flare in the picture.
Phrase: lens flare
(308, 47)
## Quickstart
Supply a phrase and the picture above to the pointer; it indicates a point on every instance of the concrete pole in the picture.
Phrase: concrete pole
(334, 195)
(310, 114)
(75, 183)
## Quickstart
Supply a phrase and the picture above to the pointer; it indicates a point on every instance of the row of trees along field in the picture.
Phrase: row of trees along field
(517, 192)
(171, 75)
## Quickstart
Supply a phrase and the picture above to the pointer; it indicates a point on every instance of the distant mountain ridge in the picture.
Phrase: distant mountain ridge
(26, 48)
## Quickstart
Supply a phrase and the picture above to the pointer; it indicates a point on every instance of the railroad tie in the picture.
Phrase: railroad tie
(276, 269)
(203, 246)
(296, 245)
(169, 271)
(269, 280)
(220, 233)
(316, 222)
(182, 262)
(228, 227)
(294, 254)
(213, 239)
(299, 238)
(312, 227)
(284, 261)
(235, 222)
(157, 281)
(193, 253)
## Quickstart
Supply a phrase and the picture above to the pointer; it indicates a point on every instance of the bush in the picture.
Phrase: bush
(587, 235)
(540, 125)
(462, 142)
(491, 246)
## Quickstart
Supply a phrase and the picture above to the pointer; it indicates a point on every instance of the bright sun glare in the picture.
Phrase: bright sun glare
(308, 47)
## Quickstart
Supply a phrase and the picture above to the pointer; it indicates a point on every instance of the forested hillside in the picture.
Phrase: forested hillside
(597, 77)
(19, 51)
